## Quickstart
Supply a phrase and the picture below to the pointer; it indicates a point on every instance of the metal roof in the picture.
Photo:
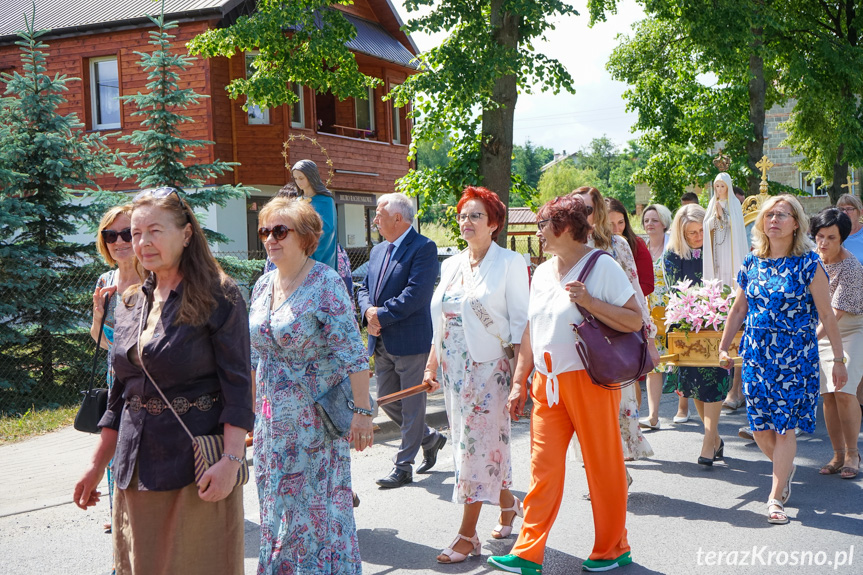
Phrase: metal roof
(85, 14)
(521, 216)
(373, 40)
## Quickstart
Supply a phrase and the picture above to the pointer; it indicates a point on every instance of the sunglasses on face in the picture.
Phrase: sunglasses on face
(110, 236)
(279, 232)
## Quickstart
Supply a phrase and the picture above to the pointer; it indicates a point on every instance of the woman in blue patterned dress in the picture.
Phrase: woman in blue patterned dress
(114, 242)
(305, 341)
(783, 290)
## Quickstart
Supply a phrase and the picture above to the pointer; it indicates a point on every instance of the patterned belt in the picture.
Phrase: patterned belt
(181, 405)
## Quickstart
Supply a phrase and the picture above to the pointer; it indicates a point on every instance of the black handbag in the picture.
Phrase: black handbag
(612, 359)
(95, 401)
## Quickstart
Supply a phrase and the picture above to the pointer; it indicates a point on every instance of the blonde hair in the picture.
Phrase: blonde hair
(108, 219)
(853, 201)
(761, 243)
(602, 236)
(305, 220)
(662, 212)
(689, 214)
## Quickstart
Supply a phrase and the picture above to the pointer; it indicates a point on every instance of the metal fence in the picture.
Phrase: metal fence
(49, 367)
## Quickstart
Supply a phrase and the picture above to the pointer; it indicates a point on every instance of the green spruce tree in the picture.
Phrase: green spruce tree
(46, 160)
(164, 157)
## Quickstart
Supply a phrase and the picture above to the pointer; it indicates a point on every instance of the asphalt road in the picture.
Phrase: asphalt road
(682, 517)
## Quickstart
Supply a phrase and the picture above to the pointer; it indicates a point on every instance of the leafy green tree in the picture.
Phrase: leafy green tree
(469, 85)
(564, 177)
(164, 157)
(621, 180)
(528, 160)
(301, 41)
(46, 160)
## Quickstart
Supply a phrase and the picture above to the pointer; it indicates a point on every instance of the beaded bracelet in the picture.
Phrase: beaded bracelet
(233, 458)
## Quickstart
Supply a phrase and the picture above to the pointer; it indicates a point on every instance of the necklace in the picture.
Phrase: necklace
(720, 225)
(474, 261)
(283, 293)
(557, 270)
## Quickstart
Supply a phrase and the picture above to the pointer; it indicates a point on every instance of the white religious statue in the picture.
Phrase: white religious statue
(725, 243)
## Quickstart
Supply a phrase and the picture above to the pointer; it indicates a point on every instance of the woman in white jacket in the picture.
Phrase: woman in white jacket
(479, 313)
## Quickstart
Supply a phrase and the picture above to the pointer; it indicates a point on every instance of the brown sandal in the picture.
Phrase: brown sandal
(830, 468)
(848, 472)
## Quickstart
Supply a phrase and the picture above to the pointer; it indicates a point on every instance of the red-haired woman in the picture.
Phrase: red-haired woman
(479, 312)
(564, 399)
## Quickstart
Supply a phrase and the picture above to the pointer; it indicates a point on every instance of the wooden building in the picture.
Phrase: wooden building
(367, 140)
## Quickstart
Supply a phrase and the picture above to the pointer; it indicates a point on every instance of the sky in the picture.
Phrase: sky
(568, 122)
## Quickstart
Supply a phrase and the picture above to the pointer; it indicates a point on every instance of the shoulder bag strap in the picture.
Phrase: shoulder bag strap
(99, 343)
(582, 276)
(150, 377)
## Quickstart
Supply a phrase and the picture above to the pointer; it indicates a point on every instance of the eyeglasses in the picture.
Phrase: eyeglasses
(541, 224)
(847, 209)
(781, 216)
(110, 236)
(162, 193)
(279, 232)
(474, 217)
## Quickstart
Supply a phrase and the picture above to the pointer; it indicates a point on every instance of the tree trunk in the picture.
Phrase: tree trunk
(840, 176)
(495, 163)
(757, 89)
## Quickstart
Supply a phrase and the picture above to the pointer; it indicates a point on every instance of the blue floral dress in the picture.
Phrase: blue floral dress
(300, 350)
(779, 347)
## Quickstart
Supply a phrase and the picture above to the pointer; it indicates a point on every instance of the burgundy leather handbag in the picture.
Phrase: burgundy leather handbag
(612, 359)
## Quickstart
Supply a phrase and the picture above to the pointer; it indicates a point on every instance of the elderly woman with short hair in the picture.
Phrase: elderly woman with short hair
(783, 291)
(706, 386)
(565, 399)
(852, 207)
(305, 341)
(829, 228)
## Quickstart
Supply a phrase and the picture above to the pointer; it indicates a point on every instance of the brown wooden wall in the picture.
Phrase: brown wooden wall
(218, 118)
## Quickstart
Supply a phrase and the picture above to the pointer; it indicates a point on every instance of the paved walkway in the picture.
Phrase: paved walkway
(41, 472)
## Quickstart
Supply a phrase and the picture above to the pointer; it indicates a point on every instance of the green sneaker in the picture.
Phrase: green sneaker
(515, 564)
(605, 564)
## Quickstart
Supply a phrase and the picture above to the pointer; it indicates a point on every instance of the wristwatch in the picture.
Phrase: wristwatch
(360, 410)
(842, 359)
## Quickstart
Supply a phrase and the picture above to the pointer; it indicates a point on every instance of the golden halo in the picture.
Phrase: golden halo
(293, 137)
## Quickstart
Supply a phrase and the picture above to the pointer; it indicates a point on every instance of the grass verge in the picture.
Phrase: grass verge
(34, 422)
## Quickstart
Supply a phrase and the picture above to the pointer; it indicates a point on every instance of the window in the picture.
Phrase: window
(257, 115)
(105, 93)
(365, 111)
(812, 185)
(397, 128)
(298, 110)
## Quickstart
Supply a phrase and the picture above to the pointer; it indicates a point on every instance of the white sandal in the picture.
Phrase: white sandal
(776, 513)
(503, 531)
(455, 556)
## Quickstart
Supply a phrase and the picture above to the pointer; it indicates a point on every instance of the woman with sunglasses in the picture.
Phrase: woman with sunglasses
(114, 243)
(782, 292)
(186, 328)
(487, 282)
(305, 341)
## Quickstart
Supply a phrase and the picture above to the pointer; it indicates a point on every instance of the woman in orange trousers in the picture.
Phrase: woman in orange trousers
(565, 400)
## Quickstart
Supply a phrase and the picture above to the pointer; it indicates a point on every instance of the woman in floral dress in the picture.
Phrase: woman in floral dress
(305, 341)
(707, 386)
(635, 445)
(783, 290)
(476, 369)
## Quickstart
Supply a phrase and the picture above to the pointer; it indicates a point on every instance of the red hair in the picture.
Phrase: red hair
(495, 210)
(566, 212)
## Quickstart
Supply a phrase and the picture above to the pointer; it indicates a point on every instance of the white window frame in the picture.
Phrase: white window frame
(371, 105)
(397, 124)
(94, 93)
(299, 105)
(253, 109)
(807, 184)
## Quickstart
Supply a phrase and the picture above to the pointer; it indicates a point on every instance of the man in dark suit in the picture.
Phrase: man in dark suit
(394, 302)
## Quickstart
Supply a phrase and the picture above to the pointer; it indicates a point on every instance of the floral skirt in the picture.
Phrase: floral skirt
(476, 396)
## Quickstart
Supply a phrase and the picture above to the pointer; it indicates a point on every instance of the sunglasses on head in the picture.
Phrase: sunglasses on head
(110, 236)
(162, 193)
(279, 232)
